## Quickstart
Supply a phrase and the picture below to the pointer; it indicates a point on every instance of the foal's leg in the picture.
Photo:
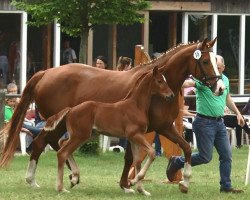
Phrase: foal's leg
(139, 140)
(175, 137)
(74, 176)
(137, 167)
(63, 154)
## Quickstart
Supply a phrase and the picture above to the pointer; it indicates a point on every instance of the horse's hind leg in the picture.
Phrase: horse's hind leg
(38, 146)
(128, 161)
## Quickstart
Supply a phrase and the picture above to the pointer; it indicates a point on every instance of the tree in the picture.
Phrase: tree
(77, 17)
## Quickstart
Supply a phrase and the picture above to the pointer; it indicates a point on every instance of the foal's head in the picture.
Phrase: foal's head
(160, 85)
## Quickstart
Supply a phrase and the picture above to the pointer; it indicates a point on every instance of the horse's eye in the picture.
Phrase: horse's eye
(205, 62)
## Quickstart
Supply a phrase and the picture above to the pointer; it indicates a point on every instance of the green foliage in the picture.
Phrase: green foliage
(91, 147)
(78, 16)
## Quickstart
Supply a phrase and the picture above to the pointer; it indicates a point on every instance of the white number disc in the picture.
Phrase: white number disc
(197, 54)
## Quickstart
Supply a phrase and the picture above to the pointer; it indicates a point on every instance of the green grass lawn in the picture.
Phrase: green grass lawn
(100, 175)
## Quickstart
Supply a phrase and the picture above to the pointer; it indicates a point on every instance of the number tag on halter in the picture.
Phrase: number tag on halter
(197, 54)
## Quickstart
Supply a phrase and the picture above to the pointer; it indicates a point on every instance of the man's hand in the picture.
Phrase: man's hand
(241, 120)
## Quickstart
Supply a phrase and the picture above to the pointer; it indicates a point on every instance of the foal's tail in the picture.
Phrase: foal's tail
(54, 120)
(14, 126)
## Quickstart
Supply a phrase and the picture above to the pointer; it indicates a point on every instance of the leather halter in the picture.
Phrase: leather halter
(205, 79)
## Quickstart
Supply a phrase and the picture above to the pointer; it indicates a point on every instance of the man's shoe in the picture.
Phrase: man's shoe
(231, 190)
(171, 168)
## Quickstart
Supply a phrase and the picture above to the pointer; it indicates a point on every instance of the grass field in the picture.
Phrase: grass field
(100, 175)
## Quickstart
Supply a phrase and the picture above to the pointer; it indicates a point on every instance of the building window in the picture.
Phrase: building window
(199, 27)
(247, 57)
(228, 47)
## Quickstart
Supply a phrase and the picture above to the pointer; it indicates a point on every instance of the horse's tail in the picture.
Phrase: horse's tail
(14, 126)
(54, 120)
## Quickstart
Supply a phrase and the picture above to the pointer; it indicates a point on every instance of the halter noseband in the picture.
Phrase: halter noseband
(205, 79)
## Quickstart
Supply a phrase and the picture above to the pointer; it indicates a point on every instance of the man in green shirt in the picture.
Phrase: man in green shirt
(210, 130)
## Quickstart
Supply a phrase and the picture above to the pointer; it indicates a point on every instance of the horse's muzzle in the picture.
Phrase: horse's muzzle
(169, 97)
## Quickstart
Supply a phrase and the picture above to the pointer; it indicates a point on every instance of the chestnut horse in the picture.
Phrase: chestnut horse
(126, 118)
(69, 85)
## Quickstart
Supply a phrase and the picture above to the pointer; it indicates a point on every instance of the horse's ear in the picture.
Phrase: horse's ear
(155, 70)
(204, 43)
(211, 43)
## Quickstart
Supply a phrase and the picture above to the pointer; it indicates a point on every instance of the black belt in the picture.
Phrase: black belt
(209, 117)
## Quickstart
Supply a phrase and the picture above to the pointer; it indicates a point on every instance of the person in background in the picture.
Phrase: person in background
(101, 62)
(9, 109)
(4, 64)
(230, 120)
(14, 60)
(68, 54)
(246, 109)
(187, 123)
(210, 131)
(124, 63)
(12, 89)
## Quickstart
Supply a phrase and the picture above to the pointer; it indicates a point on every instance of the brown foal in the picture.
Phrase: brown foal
(126, 118)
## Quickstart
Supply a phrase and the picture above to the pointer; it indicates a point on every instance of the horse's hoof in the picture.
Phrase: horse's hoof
(74, 180)
(145, 193)
(72, 184)
(32, 183)
(128, 190)
(133, 182)
(63, 190)
(183, 188)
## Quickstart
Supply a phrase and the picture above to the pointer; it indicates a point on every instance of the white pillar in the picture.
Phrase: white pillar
(185, 28)
(57, 44)
(146, 31)
(23, 51)
(242, 53)
(214, 31)
(90, 48)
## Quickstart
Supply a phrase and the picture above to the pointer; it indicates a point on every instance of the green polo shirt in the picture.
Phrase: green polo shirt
(8, 112)
(207, 103)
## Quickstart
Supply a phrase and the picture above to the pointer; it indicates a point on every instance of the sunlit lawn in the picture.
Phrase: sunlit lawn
(100, 175)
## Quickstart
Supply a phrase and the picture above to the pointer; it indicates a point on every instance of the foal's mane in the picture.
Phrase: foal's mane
(137, 84)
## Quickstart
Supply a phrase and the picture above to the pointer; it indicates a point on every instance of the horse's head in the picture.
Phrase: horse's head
(206, 69)
(160, 85)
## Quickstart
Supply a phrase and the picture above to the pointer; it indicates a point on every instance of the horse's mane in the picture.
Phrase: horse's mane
(160, 62)
(162, 59)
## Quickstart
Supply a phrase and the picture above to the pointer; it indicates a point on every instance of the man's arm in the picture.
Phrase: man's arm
(231, 105)
(188, 83)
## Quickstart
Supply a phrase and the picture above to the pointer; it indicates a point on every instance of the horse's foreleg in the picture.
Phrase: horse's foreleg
(139, 140)
(128, 161)
(175, 137)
